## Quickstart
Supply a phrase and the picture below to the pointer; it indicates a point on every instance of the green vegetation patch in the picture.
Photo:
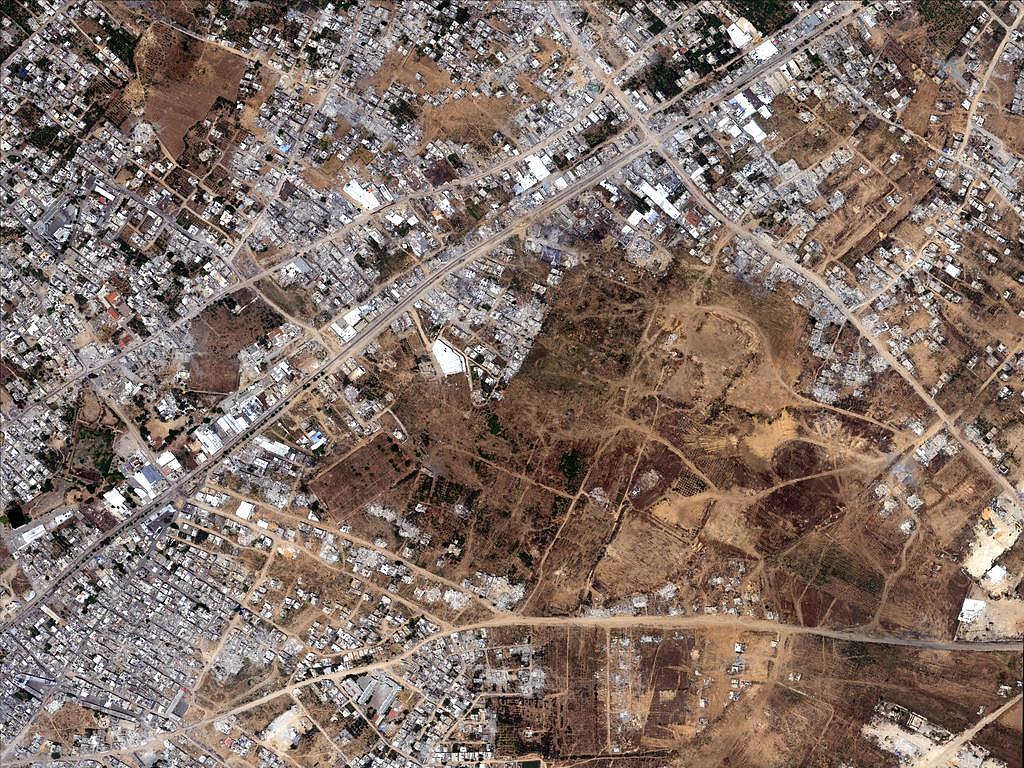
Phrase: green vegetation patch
(859, 654)
(654, 23)
(403, 111)
(93, 457)
(573, 466)
(819, 569)
(768, 15)
(600, 131)
(493, 424)
(385, 260)
(122, 44)
(659, 77)
(945, 20)
(43, 136)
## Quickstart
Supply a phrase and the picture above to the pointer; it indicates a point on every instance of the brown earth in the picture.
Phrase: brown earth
(362, 475)
(220, 334)
(182, 77)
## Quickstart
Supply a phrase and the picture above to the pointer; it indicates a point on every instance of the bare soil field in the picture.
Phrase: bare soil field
(803, 699)
(564, 574)
(471, 120)
(570, 720)
(220, 334)
(851, 677)
(418, 73)
(1003, 737)
(652, 441)
(182, 78)
(291, 300)
(813, 720)
(364, 474)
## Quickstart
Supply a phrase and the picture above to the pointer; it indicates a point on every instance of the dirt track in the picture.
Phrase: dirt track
(706, 622)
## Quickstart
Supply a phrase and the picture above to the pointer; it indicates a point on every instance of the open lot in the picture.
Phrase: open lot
(181, 77)
(220, 332)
